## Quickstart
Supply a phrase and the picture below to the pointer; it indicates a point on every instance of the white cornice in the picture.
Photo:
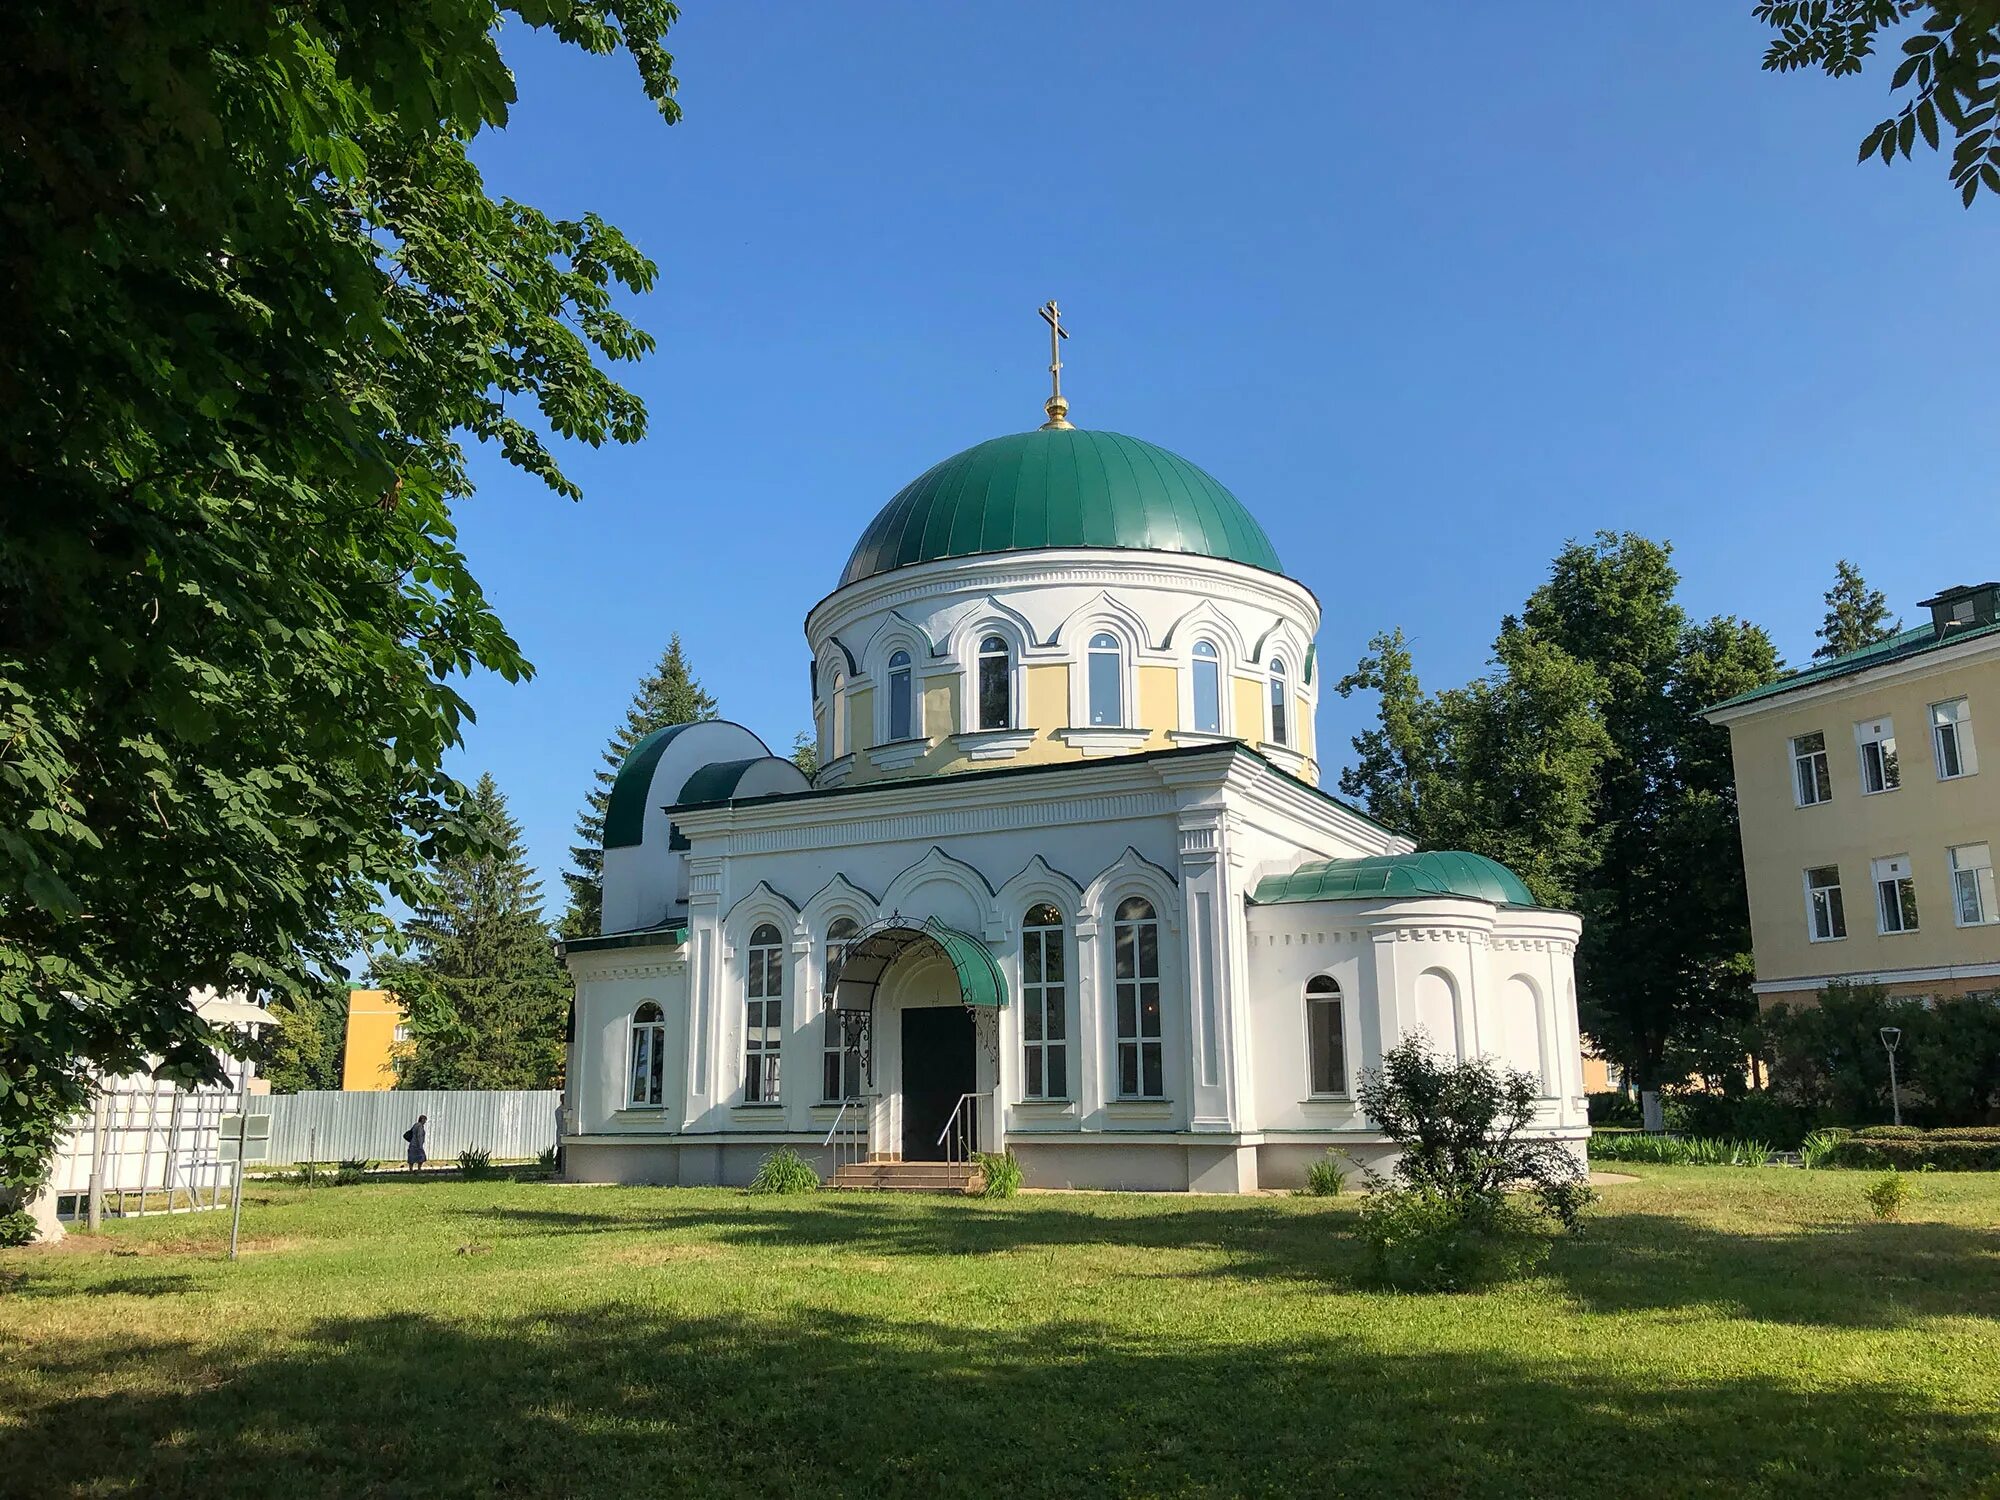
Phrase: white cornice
(1930, 975)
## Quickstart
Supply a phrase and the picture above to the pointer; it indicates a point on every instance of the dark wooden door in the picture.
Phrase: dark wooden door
(937, 1070)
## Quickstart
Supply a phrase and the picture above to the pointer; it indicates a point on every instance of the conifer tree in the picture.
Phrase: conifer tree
(805, 753)
(1856, 615)
(669, 694)
(486, 997)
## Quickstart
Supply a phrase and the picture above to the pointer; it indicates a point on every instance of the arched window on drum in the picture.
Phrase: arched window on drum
(648, 1054)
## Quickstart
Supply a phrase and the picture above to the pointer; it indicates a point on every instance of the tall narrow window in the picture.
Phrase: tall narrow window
(1951, 739)
(1881, 771)
(1044, 991)
(1811, 784)
(836, 739)
(1324, 1042)
(649, 1056)
(763, 1020)
(1895, 894)
(1106, 697)
(1826, 912)
(840, 1065)
(1972, 884)
(900, 717)
(996, 684)
(1135, 942)
(1207, 688)
(1279, 729)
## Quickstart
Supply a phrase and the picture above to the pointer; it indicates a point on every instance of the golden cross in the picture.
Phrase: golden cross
(1055, 406)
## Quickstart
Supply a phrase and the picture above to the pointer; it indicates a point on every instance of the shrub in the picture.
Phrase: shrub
(1679, 1151)
(309, 1174)
(1002, 1172)
(1816, 1150)
(1613, 1108)
(1446, 1221)
(350, 1172)
(18, 1227)
(474, 1163)
(784, 1171)
(546, 1158)
(1756, 1115)
(1889, 1132)
(1888, 1193)
(1945, 1154)
(1324, 1178)
(1417, 1240)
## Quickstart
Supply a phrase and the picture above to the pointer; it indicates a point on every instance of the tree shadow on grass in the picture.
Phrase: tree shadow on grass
(1860, 1275)
(622, 1401)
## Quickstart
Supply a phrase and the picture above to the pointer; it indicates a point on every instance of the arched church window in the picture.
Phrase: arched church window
(1280, 730)
(1207, 688)
(996, 684)
(1044, 1004)
(1135, 946)
(1326, 1046)
(763, 1020)
(840, 1062)
(1106, 695)
(836, 741)
(649, 1056)
(900, 715)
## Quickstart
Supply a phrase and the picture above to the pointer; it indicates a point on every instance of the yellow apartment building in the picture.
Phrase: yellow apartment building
(375, 1025)
(1868, 828)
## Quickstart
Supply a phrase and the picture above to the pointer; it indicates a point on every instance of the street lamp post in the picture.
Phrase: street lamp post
(1891, 1035)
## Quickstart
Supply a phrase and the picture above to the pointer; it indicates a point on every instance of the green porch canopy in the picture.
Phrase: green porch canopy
(871, 955)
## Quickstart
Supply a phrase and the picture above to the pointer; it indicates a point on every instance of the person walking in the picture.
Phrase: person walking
(415, 1136)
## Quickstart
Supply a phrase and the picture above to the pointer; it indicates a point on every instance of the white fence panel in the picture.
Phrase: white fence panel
(329, 1126)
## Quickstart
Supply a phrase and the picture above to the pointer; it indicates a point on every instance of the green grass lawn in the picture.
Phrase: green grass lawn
(1718, 1330)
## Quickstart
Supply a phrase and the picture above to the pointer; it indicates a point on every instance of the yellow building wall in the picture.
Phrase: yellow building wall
(368, 1060)
(1922, 818)
(1047, 695)
(1249, 709)
(1159, 697)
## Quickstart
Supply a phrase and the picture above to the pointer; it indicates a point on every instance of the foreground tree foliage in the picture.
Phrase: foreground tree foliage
(256, 295)
(1947, 72)
(1462, 1204)
(481, 985)
(669, 694)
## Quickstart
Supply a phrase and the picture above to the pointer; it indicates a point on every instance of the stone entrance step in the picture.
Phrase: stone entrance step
(909, 1176)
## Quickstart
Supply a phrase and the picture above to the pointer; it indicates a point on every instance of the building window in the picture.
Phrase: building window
(1325, 1045)
(402, 1031)
(840, 1064)
(996, 683)
(763, 1020)
(1207, 688)
(1044, 991)
(1279, 729)
(1826, 912)
(836, 740)
(1106, 705)
(1135, 942)
(1880, 770)
(1951, 739)
(1895, 894)
(1972, 884)
(649, 1056)
(901, 719)
(1811, 782)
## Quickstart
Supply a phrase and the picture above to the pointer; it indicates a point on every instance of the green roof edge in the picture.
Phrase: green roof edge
(1919, 640)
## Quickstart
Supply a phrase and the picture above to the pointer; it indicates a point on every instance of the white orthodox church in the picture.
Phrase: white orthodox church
(1065, 883)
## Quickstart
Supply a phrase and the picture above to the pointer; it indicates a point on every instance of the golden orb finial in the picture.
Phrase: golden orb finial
(1055, 406)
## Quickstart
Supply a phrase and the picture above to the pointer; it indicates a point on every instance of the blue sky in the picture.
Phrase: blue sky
(1432, 290)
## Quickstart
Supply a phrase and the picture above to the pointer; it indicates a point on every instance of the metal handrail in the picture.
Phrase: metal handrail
(962, 1128)
(853, 1145)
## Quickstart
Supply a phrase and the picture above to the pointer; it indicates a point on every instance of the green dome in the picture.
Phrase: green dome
(1433, 872)
(1059, 488)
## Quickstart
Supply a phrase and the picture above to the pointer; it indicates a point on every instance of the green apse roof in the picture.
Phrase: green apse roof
(1435, 872)
(625, 815)
(1060, 488)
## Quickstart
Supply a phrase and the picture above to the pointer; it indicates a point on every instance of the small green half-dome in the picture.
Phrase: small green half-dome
(1433, 872)
(1060, 487)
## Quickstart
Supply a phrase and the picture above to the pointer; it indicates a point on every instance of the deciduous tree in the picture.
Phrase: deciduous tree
(256, 295)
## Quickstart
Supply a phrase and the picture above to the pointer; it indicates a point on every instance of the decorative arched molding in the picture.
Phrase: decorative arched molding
(853, 666)
(1105, 612)
(1130, 641)
(1440, 1016)
(939, 868)
(1037, 881)
(1206, 620)
(839, 897)
(989, 616)
(761, 902)
(899, 627)
(1132, 874)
